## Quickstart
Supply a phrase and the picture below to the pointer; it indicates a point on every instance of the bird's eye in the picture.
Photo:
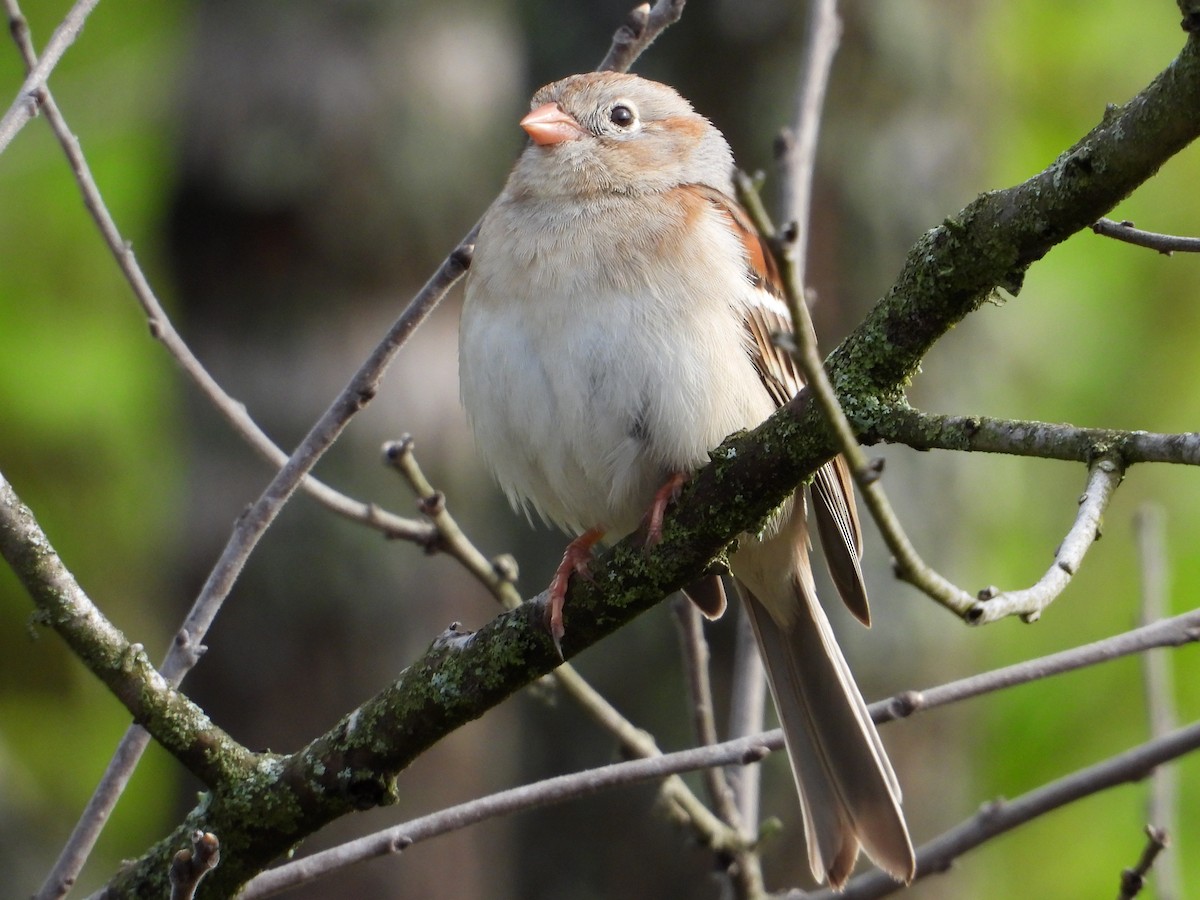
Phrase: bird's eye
(622, 115)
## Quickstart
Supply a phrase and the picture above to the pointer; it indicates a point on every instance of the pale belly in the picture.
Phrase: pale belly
(583, 423)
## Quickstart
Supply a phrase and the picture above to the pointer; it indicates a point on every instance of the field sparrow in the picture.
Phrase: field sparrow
(617, 326)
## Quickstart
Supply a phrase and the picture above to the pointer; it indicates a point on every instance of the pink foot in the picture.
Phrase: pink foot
(663, 497)
(574, 562)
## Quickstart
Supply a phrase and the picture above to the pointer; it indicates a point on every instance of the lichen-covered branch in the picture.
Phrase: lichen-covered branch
(124, 668)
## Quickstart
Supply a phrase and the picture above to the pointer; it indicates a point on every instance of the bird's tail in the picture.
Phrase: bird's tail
(849, 794)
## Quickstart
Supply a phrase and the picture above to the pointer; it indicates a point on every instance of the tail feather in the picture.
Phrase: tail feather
(849, 794)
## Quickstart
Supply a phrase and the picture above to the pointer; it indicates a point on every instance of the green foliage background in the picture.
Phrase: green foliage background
(92, 412)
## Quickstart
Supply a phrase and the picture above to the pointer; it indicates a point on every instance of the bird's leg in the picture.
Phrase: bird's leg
(574, 562)
(663, 497)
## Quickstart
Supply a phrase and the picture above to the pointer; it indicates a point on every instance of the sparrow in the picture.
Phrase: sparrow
(617, 326)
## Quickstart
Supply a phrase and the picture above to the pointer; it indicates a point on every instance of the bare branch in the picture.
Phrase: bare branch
(75, 852)
(746, 879)
(643, 24)
(745, 871)
(30, 97)
(696, 659)
(1166, 244)
(990, 605)
(1173, 632)
(547, 791)
(1104, 476)
(253, 524)
(901, 424)
(796, 149)
(695, 653)
(685, 807)
(802, 343)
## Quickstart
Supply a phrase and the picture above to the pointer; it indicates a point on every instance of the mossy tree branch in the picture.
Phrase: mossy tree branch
(180, 726)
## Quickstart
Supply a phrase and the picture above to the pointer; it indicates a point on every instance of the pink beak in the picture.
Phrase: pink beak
(550, 125)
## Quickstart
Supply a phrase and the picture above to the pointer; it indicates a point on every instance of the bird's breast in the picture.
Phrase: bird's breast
(590, 371)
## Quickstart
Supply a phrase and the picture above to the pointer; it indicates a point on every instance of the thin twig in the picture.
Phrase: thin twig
(1174, 632)
(639, 30)
(551, 790)
(30, 97)
(1162, 805)
(1001, 816)
(685, 807)
(1166, 244)
(1167, 633)
(796, 150)
(250, 528)
(78, 847)
(498, 574)
(899, 423)
(696, 657)
(1134, 879)
(1104, 476)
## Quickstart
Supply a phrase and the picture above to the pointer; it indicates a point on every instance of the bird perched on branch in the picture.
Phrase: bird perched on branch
(617, 326)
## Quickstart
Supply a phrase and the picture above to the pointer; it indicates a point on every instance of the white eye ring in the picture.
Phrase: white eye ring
(623, 115)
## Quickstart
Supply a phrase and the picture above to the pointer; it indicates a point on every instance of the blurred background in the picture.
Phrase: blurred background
(289, 176)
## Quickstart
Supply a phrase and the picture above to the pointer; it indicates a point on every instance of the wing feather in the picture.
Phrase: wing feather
(833, 490)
